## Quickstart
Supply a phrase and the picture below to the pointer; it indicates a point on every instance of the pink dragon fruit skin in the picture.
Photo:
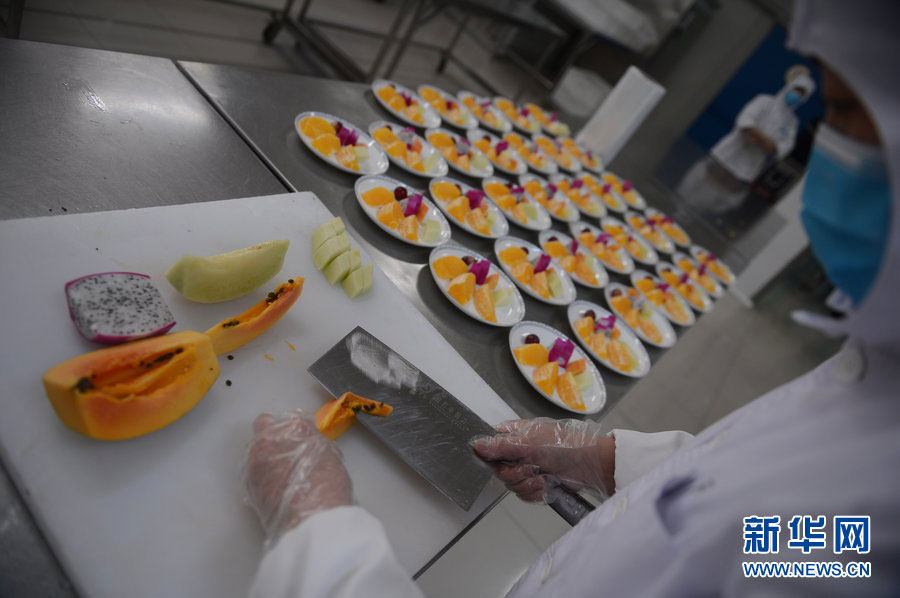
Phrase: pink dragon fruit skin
(115, 307)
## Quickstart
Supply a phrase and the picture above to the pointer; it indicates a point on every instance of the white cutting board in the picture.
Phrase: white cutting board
(162, 515)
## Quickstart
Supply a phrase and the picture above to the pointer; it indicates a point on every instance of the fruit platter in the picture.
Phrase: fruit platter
(557, 153)
(612, 200)
(554, 366)
(574, 258)
(588, 159)
(649, 230)
(603, 246)
(401, 211)
(340, 143)
(407, 150)
(518, 205)
(608, 339)
(699, 273)
(644, 319)
(521, 118)
(689, 290)
(548, 195)
(460, 153)
(669, 227)
(468, 208)
(405, 104)
(449, 107)
(637, 248)
(625, 190)
(718, 268)
(529, 151)
(662, 296)
(584, 199)
(503, 156)
(549, 121)
(485, 111)
(476, 286)
(534, 272)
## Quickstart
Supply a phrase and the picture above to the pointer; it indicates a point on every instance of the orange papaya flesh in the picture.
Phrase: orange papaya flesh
(135, 388)
(232, 333)
(337, 415)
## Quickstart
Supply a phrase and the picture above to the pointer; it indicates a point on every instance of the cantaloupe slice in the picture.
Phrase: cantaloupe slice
(556, 249)
(544, 377)
(645, 284)
(378, 196)
(567, 389)
(409, 228)
(462, 288)
(484, 303)
(513, 255)
(390, 214)
(385, 136)
(540, 284)
(531, 354)
(449, 267)
(523, 272)
(576, 366)
(495, 189)
(445, 191)
(476, 219)
(440, 140)
(584, 328)
(458, 208)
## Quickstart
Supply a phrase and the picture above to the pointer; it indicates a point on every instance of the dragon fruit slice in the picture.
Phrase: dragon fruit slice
(116, 307)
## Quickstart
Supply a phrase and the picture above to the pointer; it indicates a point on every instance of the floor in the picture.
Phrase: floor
(731, 356)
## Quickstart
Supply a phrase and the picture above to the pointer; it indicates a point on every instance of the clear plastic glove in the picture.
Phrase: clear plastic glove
(291, 471)
(533, 457)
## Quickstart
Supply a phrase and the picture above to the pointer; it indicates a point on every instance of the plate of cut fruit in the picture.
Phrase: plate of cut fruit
(460, 153)
(608, 339)
(637, 248)
(534, 271)
(485, 111)
(650, 231)
(408, 150)
(718, 268)
(521, 118)
(699, 273)
(518, 205)
(669, 227)
(340, 143)
(405, 104)
(504, 157)
(549, 121)
(401, 211)
(476, 286)
(448, 106)
(556, 368)
(647, 321)
(558, 153)
(612, 200)
(468, 208)
(583, 198)
(626, 190)
(689, 290)
(548, 195)
(663, 297)
(585, 156)
(603, 246)
(571, 256)
(530, 152)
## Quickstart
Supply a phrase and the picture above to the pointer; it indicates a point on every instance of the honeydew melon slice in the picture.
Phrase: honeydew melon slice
(330, 249)
(358, 282)
(432, 231)
(333, 227)
(584, 380)
(341, 266)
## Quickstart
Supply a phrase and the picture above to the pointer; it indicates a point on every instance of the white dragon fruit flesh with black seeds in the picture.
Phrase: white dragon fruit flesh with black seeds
(115, 307)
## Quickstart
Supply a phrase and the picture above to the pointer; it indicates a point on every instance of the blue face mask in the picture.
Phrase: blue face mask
(846, 210)
(793, 98)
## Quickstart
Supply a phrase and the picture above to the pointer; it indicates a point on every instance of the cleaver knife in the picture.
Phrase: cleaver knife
(429, 429)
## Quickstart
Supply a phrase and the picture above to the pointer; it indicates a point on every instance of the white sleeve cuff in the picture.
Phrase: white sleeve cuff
(639, 452)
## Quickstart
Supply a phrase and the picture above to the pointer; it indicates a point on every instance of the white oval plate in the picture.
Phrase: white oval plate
(574, 163)
(534, 125)
(600, 210)
(534, 252)
(641, 274)
(660, 320)
(651, 257)
(543, 220)
(508, 315)
(667, 246)
(549, 167)
(573, 209)
(474, 135)
(640, 202)
(717, 287)
(479, 174)
(469, 120)
(596, 166)
(440, 167)
(430, 116)
(370, 181)
(620, 207)
(577, 227)
(376, 164)
(575, 312)
(707, 303)
(501, 226)
(654, 213)
(556, 128)
(565, 239)
(594, 398)
(697, 251)
(505, 125)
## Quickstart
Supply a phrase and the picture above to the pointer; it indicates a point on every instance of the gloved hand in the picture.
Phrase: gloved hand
(291, 471)
(534, 457)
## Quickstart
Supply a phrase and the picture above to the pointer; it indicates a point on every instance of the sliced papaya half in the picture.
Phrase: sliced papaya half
(337, 415)
(231, 333)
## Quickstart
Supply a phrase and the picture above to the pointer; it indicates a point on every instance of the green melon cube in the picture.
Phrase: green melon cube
(555, 284)
(502, 296)
(341, 266)
(432, 231)
(584, 380)
(330, 249)
(333, 227)
(358, 282)
(530, 210)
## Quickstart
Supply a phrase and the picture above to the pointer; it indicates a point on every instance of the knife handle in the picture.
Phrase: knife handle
(570, 506)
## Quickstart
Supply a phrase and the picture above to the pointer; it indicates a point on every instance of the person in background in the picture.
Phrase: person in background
(826, 444)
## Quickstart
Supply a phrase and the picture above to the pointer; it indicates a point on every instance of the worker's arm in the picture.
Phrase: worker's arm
(639, 452)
